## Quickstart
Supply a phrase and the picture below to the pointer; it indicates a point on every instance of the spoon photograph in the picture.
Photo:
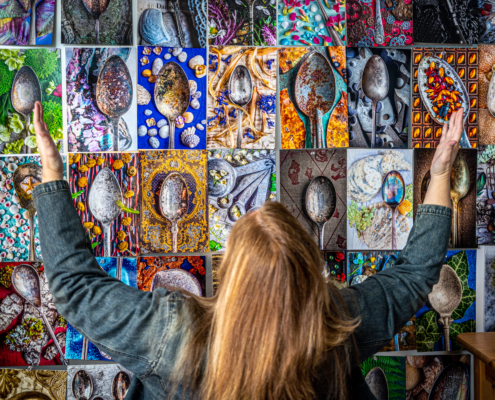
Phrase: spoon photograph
(25, 92)
(375, 84)
(120, 385)
(315, 93)
(320, 203)
(103, 196)
(82, 385)
(26, 282)
(393, 194)
(241, 92)
(172, 95)
(445, 298)
(174, 203)
(114, 93)
(96, 8)
(459, 188)
(33, 174)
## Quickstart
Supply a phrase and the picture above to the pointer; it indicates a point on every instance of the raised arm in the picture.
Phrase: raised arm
(386, 301)
(120, 320)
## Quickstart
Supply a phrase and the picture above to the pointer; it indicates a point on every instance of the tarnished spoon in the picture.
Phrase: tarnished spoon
(377, 382)
(393, 193)
(445, 298)
(452, 383)
(379, 31)
(241, 92)
(375, 83)
(459, 188)
(320, 203)
(490, 100)
(240, 203)
(315, 93)
(103, 196)
(32, 24)
(120, 385)
(26, 282)
(173, 279)
(114, 93)
(31, 172)
(96, 8)
(82, 385)
(25, 92)
(174, 202)
(172, 95)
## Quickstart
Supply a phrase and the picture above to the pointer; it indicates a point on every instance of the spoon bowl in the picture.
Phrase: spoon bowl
(174, 202)
(459, 188)
(23, 183)
(25, 92)
(103, 196)
(96, 8)
(174, 279)
(375, 84)
(120, 385)
(82, 385)
(241, 92)
(320, 203)
(393, 194)
(315, 93)
(445, 298)
(377, 383)
(114, 93)
(452, 383)
(172, 95)
(26, 282)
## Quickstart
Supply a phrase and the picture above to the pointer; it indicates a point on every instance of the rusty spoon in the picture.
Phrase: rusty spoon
(26, 282)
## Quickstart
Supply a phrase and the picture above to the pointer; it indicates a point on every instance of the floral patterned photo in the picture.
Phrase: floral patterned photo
(242, 22)
(311, 22)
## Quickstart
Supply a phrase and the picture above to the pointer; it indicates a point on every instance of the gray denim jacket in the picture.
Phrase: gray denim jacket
(139, 330)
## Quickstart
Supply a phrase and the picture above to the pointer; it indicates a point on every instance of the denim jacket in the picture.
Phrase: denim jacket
(139, 329)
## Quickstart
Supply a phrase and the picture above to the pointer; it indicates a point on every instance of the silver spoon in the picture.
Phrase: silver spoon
(375, 83)
(250, 4)
(379, 32)
(174, 202)
(114, 93)
(25, 92)
(103, 196)
(26, 282)
(445, 298)
(377, 383)
(452, 383)
(240, 204)
(120, 385)
(32, 24)
(96, 8)
(172, 95)
(22, 172)
(393, 193)
(459, 188)
(82, 385)
(241, 92)
(173, 279)
(320, 204)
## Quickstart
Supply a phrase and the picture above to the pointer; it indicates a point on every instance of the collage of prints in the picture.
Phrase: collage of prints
(227, 104)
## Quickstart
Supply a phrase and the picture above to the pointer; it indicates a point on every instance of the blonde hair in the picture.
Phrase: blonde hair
(273, 321)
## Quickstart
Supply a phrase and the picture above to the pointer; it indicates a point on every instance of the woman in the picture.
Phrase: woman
(275, 330)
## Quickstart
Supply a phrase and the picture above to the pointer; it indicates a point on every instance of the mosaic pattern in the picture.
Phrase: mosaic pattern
(427, 132)
(156, 236)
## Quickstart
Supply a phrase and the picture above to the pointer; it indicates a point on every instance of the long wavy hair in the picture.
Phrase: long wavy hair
(273, 323)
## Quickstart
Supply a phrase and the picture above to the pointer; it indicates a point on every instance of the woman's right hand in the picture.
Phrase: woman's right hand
(51, 160)
(439, 188)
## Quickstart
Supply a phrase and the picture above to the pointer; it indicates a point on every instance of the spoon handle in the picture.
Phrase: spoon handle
(28, 122)
(239, 130)
(373, 128)
(314, 141)
(321, 231)
(319, 129)
(171, 134)
(379, 32)
(115, 133)
(394, 234)
(456, 212)
(97, 30)
(107, 240)
(32, 254)
(464, 142)
(175, 231)
(251, 21)
(52, 335)
(32, 25)
(446, 336)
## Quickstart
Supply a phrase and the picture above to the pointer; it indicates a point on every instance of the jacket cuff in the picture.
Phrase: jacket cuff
(48, 187)
(435, 210)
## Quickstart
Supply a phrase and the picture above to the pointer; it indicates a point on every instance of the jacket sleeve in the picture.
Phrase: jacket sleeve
(128, 324)
(386, 301)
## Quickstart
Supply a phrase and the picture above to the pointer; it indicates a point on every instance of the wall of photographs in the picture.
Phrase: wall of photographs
(241, 102)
